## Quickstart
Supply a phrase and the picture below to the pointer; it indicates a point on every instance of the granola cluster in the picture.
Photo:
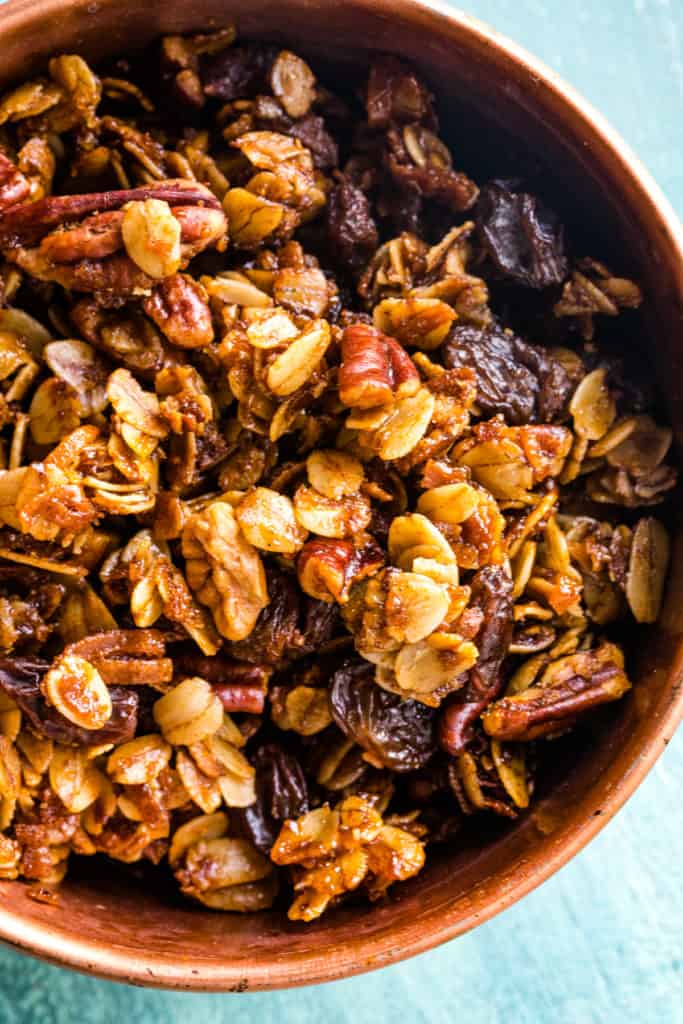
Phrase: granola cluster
(325, 491)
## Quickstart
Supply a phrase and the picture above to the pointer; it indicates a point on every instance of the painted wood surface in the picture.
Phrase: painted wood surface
(602, 942)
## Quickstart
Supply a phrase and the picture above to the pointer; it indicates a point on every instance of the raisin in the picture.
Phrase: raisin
(281, 793)
(395, 93)
(276, 632)
(238, 72)
(397, 733)
(311, 131)
(522, 237)
(351, 230)
(519, 380)
(432, 178)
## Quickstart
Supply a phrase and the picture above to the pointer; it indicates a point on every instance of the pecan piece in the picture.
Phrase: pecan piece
(179, 307)
(13, 185)
(375, 369)
(567, 688)
(85, 242)
(224, 570)
(327, 569)
(239, 687)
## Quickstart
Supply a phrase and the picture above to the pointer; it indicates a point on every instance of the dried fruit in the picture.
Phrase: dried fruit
(522, 237)
(397, 734)
(519, 380)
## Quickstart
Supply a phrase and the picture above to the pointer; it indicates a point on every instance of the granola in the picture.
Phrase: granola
(306, 550)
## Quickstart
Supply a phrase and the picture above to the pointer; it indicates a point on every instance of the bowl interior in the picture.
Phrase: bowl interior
(118, 924)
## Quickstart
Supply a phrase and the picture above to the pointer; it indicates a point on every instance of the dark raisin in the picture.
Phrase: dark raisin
(281, 793)
(351, 230)
(311, 131)
(238, 72)
(276, 633)
(433, 178)
(519, 380)
(397, 733)
(320, 622)
(395, 93)
(522, 237)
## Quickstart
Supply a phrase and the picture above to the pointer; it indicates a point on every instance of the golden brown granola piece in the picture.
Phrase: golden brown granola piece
(340, 849)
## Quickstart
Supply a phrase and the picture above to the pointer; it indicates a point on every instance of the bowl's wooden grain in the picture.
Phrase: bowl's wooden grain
(120, 929)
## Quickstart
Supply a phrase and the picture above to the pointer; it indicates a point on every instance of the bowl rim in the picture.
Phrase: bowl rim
(48, 943)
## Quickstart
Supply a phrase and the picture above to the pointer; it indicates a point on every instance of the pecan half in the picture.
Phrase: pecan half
(567, 688)
(78, 241)
(375, 369)
(327, 569)
(179, 307)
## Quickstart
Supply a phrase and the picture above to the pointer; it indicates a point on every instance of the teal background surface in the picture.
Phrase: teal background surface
(602, 941)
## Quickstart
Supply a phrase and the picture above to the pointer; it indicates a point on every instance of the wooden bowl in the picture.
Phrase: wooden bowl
(110, 924)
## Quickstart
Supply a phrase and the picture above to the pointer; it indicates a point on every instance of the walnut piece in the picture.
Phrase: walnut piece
(224, 570)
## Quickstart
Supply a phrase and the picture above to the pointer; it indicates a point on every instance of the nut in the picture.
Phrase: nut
(374, 369)
(327, 569)
(224, 570)
(179, 307)
(568, 686)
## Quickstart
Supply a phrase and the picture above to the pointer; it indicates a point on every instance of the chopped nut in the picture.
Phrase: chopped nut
(374, 370)
(568, 687)
(224, 570)
(328, 569)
